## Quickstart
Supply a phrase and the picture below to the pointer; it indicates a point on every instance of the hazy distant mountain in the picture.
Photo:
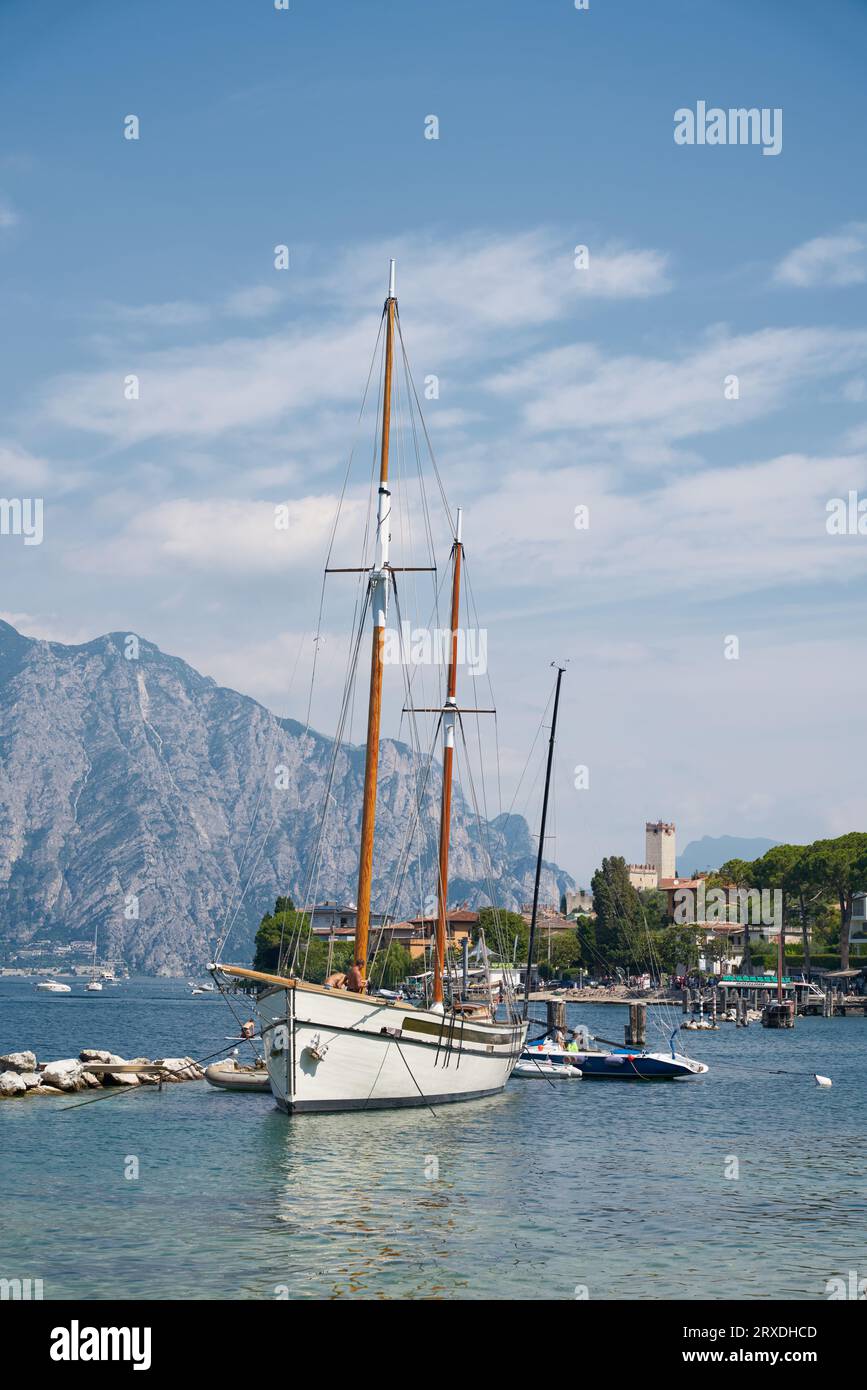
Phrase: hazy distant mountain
(711, 851)
(128, 788)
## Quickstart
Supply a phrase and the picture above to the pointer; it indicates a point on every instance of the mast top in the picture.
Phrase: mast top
(391, 293)
(458, 524)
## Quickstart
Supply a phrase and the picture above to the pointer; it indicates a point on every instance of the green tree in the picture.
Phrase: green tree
(588, 951)
(501, 928)
(674, 947)
(565, 953)
(840, 866)
(739, 872)
(283, 925)
(390, 966)
(619, 917)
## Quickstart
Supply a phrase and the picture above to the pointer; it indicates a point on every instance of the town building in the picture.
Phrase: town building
(858, 924)
(660, 856)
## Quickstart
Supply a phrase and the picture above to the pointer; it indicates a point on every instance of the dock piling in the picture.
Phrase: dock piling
(636, 1028)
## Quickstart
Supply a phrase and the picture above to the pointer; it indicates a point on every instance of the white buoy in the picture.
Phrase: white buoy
(822, 1080)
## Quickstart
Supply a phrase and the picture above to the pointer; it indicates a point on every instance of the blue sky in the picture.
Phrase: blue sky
(307, 128)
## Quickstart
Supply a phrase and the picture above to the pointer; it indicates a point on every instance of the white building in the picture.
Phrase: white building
(858, 924)
(660, 856)
(660, 847)
(643, 876)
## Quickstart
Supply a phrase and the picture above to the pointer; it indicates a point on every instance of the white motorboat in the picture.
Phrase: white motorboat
(54, 987)
(547, 1067)
(614, 1063)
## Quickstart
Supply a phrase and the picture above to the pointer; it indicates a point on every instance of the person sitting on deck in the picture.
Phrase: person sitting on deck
(354, 978)
(248, 1029)
(336, 981)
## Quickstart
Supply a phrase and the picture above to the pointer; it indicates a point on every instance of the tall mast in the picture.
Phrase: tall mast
(449, 716)
(379, 582)
(532, 940)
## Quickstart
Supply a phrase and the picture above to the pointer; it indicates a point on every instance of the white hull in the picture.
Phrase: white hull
(375, 1054)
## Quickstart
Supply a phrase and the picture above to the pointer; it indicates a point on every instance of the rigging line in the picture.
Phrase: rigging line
(338, 511)
(425, 512)
(376, 1078)
(475, 613)
(417, 451)
(315, 866)
(424, 428)
(414, 822)
(312, 890)
(133, 1090)
(530, 754)
(317, 638)
(414, 1082)
(335, 753)
(486, 858)
(226, 931)
(404, 855)
(360, 607)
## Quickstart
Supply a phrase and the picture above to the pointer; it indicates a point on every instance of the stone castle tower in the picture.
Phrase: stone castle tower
(660, 847)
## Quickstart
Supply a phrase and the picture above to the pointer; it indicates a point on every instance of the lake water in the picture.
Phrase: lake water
(621, 1188)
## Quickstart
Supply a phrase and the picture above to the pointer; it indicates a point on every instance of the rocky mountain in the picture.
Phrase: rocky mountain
(711, 851)
(134, 790)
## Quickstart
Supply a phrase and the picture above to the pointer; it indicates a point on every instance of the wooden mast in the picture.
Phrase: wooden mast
(449, 716)
(379, 582)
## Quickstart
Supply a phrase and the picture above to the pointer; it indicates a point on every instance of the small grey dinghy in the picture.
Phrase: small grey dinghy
(230, 1075)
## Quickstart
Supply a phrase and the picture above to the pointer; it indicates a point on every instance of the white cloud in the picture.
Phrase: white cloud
(496, 282)
(839, 259)
(175, 313)
(231, 536)
(252, 303)
(654, 401)
(8, 217)
(22, 470)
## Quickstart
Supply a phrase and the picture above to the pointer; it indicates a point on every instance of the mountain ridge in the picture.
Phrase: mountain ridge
(130, 787)
(711, 851)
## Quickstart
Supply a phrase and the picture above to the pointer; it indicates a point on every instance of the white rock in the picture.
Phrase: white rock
(31, 1079)
(11, 1084)
(93, 1054)
(64, 1074)
(180, 1069)
(18, 1061)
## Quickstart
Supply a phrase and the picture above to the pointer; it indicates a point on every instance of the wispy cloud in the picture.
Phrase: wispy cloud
(218, 535)
(464, 294)
(833, 260)
(653, 399)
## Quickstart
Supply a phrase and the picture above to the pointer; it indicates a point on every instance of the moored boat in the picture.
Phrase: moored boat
(330, 1049)
(617, 1063)
(231, 1075)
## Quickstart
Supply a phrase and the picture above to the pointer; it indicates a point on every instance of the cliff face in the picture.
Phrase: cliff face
(129, 786)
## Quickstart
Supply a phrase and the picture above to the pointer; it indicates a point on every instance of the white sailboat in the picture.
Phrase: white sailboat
(332, 1049)
(95, 985)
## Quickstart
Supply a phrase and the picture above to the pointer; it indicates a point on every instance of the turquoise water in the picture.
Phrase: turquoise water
(617, 1187)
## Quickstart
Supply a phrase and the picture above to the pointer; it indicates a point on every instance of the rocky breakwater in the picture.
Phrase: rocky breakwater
(22, 1075)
